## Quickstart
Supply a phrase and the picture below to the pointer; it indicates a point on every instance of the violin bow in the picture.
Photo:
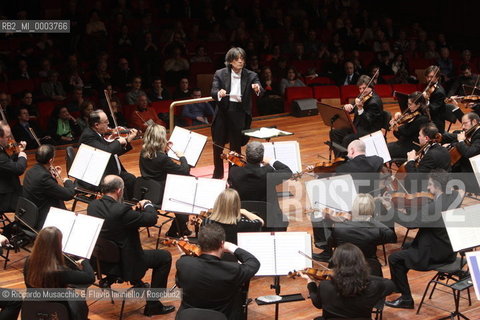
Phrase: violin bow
(107, 98)
(475, 85)
(310, 258)
(429, 84)
(34, 136)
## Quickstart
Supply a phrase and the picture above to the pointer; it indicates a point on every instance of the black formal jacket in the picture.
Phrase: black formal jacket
(93, 139)
(252, 180)
(121, 226)
(43, 190)
(10, 188)
(325, 296)
(468, 151)
(22, 134)
(436, 157)
(211, 283)
(363, 169)
(438, 108)
(371, 119)
(366, 235)
(158, 168)
(222, 80)
(431, 244)
(408, 132)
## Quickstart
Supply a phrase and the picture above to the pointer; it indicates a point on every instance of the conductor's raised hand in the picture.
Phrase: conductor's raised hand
(256, 88)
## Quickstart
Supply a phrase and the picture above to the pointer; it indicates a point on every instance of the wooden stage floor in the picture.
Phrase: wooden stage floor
(311, 133)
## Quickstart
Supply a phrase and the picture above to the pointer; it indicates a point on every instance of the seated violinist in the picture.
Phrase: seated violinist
(406, 126)
(431, 244)
(435, 94)
(352, 292)
(144, 115)
(156, 164)
(93, 136)
(227, 213)
(368, 114)
(363, 231)
(432, 156)
(208, 282)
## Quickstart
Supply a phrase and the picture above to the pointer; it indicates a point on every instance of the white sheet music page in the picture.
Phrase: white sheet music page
(262, 246)
(188, 142)
(89, 164)
(63, 220)
(475, 161)
(287, 152)
(376, 145)
(287, 245)
(264, 133)
(83, 236)
(473, 260)
(207, 192)
(337, 193)
(463, 227)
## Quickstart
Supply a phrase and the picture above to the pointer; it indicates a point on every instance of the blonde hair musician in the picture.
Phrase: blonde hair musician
(233, 219)
(363, 207)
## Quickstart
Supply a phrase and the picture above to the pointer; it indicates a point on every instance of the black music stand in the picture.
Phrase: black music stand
(402, 99)
(336, 118)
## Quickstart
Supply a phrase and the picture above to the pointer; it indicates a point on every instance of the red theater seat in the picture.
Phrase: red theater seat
(294, 93)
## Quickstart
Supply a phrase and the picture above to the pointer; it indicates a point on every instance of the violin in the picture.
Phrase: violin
(312, 273)
(12, 147)
(336, 215)
(197, 220)
(364, 98)
(420, 153)
(188, 248)
(320, 167)
(463, 99)
(406, 117)
(234, 158)
(115, 133)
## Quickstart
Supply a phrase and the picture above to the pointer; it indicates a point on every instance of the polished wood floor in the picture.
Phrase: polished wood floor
(311, 133)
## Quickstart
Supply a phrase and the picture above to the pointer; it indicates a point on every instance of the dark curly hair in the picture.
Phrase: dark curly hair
(350, 270)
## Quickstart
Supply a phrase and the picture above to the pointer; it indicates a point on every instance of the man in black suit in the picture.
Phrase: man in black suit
(368, 114)
(358, 162)
(93, 136)
(10, 169)
(40, 187)
(436, 98)
(232, 87)
(434, 156)
(257, 183)
(121, 226)
(348, 76)
(208, 282)
(431, 244)
(21, 130)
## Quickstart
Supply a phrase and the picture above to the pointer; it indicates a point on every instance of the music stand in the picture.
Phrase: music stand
(470, 90)
(336, 118)
(402, 99)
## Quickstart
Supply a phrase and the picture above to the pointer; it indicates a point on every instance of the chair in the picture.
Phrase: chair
(384, 90)
(272, 216)
(107, 253)
(348, 92)
(461, 281)
(200, 314)
(151, 190)
(81, 194)
(34, 310)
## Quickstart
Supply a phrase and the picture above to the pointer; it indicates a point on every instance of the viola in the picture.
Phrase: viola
(188, 248)
(234, 158)
(411, 200)
(312, 273)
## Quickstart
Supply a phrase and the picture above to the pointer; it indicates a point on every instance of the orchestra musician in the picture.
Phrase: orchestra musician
(208, 282)
(93, 136)
(11, 168)
(46, 268)
(363, 231)
(435, 94)
(9, 308)
(431, 244)
(232, 88)
(156, 164)
(40, 184)
(352, 292)
(407, 125)
(121, 224)
(228, 214)
(368, 114)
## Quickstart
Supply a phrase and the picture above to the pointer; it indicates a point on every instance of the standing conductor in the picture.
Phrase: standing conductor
(232, 87)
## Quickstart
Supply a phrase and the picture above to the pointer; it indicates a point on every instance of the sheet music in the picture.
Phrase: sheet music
(79, 232)
(473, 260)
(287, 152)
(264, 133)
(188, 142)
(475, 161)
(190, 194)
(463, 227)
(277, 252)
(336, 192)
(89, 164)
(376, 145)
